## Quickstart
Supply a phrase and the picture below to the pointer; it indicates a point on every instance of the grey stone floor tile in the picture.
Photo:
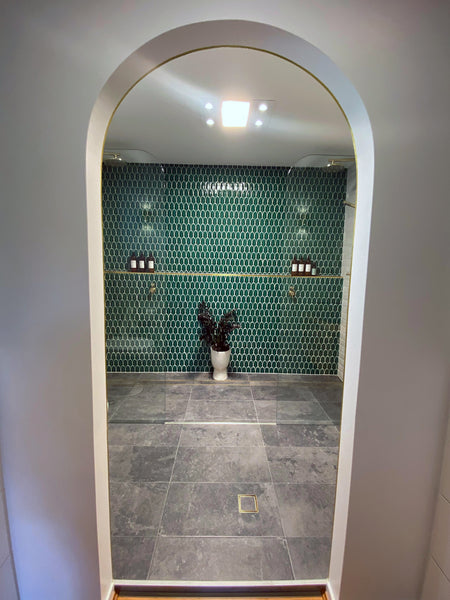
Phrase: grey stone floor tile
(263, 379)
(131, 556)
(222, 392)
(116, 392)
(141, 463)
(221, 464)
(152, 377)
(149, 409)
(266, 411)
(300, 435)
(136, 507)
(306, 509)
(233, 378)
(212, 410)
(221, 435)
(121, 378)
(291, 412)
(202, 509)
(143, 434)
(333, 411)
(328, 393)
(303, 465)
(310, 557)
(282, 393)
(221, 559)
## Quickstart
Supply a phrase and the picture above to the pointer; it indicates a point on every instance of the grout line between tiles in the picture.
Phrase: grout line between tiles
(158, 532)
(279, 510)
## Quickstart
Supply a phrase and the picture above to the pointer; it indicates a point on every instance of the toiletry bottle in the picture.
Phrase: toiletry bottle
(133, 262)
(294, 266)
(301, 266)
(308, 266)
(141, 262)
(150, 263)
(313, 269)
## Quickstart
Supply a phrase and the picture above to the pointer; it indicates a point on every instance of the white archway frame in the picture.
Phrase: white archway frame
(183, 40)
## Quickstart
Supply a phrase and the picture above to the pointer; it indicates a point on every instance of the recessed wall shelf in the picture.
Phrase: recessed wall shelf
(297, 277)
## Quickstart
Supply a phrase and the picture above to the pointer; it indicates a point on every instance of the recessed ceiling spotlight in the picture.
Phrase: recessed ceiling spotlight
(263, 107)
(235, 113)
(258, 123)
(209, 106)
(210, 122)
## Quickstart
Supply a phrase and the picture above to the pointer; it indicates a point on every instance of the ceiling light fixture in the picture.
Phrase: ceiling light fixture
(210, 122)
(209, 106)
(235, 113)
(263, 107)
(258, 123)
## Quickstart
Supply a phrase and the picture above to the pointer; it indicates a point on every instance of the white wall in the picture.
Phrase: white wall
(56, 58)
(8, 588)
(437, 579)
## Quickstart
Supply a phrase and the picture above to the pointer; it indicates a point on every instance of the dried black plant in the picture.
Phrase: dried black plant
(216, 335)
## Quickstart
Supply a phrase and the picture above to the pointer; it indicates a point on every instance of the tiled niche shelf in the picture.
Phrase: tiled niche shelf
(224, 274)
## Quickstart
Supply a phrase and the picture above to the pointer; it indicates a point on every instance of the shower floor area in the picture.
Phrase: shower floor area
(230, 481)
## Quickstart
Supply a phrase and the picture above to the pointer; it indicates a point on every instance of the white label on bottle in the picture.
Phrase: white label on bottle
(141, 264)
(308, 268)
(301, 267)
(151, 264)
(294, 267)
(132, 264)
(313, 271)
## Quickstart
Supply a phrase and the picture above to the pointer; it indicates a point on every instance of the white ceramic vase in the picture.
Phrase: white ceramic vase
(220, 361)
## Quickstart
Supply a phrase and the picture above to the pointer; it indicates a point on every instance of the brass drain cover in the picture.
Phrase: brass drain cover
(248, 503)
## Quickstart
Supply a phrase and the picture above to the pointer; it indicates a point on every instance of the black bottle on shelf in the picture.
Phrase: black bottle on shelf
(132, 262)
(294, 266)
(141, 262)
(313, 269)
(150, 263)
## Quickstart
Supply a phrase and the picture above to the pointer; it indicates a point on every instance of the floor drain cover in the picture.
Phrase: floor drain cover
(248, 503)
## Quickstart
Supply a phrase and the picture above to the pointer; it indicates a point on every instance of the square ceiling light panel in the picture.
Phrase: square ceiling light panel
(235, 113)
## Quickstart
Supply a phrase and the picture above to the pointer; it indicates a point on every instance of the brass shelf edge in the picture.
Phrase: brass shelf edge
(224, 274)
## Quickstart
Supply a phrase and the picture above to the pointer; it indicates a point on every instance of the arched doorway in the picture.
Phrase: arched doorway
(153, 54)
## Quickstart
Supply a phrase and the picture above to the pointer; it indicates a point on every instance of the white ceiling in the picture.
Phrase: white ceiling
(163, 117)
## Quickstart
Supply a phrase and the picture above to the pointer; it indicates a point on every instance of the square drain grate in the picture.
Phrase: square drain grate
(248, 503)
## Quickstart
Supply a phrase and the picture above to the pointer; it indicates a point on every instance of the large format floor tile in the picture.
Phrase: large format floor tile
(131, 556)
(310, 557)
(136, 507)
(221, 464)
(300, 435)
(232, 411)
(333, 411)
(219, 558)
(302, 465)
(282, 393)
(147, 408)
(141, 463)
(221, 435)
(291, 412)
(306, 509)
(174, 486)
(143, 434)
(202, 509)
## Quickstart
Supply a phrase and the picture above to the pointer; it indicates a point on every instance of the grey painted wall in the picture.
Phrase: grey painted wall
(56, 57)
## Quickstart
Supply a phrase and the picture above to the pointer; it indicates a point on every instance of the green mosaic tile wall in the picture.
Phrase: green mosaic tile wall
(160, 332)
(199, 219)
